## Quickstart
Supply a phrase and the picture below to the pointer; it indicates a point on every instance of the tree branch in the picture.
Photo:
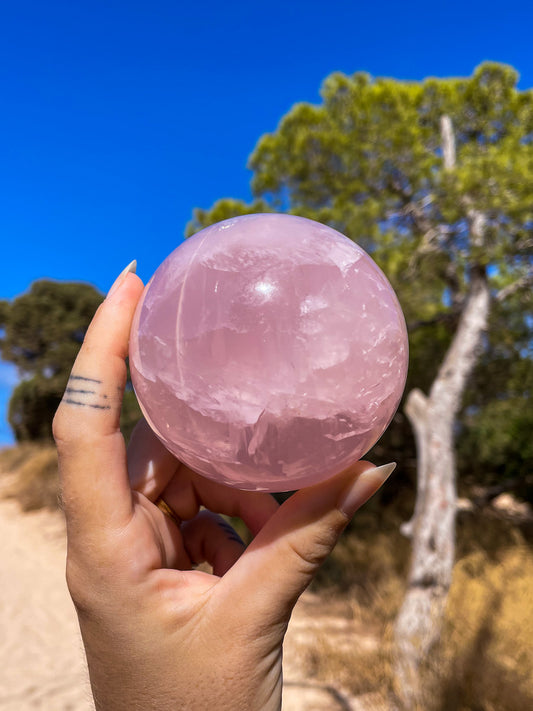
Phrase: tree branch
(448, 317)
(523, 282)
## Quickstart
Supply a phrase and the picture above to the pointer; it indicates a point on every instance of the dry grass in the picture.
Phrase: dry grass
(358, 671)
(33, 479)
(367, 568)
(485, 659)
(486, 655)
(11, 458)
(369, 565)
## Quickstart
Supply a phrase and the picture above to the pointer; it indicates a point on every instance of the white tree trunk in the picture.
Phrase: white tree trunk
(420, 619)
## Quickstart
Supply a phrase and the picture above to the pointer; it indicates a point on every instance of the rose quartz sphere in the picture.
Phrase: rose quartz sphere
(268, 352)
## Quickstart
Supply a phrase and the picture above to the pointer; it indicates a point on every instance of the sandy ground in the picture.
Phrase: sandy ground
(42, 664)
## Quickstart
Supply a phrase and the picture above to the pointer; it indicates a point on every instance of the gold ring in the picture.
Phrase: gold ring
(167, 510)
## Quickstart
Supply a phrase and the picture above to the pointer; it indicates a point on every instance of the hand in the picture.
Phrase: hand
(159, 635)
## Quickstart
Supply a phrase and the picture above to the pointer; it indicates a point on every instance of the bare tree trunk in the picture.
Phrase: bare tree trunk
(448, 142)
(419, 622)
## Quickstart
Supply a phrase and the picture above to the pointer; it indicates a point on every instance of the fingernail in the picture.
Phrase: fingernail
(131, 268)
(363, 488)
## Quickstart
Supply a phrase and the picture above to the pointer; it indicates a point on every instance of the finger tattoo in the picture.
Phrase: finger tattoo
(83, 391)
(231, 533)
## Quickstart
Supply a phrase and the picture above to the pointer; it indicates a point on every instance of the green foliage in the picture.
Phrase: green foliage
(369, 161)
(42, 331)
(32, 406)
(496, 437)
(44, 328)
(223, 210)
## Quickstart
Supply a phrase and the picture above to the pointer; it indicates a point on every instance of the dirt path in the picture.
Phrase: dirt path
(42, 663)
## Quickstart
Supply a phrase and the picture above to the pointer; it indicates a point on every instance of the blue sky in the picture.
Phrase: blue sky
(118, 118)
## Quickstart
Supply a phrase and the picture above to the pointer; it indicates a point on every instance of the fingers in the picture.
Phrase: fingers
(92, 458)
(208, 538)
(155, 472)
(187, 491)
(284, 557)
(150, 465)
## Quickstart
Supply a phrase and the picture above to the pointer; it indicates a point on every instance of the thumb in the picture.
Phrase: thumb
(285, 555)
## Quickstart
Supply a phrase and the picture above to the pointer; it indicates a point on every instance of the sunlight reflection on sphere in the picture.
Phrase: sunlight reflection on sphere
(268, 352)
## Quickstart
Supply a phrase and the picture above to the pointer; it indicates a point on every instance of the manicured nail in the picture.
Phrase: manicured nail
(363, 488)
(131, 268)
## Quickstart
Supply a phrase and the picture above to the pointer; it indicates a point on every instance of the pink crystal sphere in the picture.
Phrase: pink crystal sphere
(268, 352)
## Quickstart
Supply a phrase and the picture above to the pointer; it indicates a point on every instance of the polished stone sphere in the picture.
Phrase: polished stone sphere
(268, 352)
